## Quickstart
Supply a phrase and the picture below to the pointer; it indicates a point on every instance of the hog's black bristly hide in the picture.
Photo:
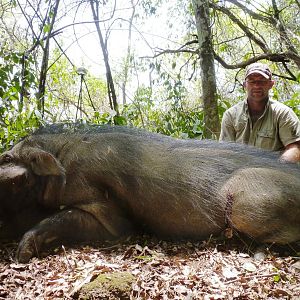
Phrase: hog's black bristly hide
(103, 182)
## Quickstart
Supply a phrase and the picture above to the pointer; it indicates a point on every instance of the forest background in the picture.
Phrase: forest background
(172, 67)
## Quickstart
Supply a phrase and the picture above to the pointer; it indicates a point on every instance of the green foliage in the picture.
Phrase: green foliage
(171, 103)
(16, 75)
(108, 118)
(150, 6)
(17, 113)
(172, 117)
(173, 122)
(17, 127)
(138, 113)
(181, 124)
(294, 103)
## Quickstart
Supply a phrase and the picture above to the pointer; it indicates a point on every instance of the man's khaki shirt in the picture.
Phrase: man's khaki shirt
(278, 127)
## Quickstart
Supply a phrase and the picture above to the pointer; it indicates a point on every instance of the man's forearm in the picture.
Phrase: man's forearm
(291, 153)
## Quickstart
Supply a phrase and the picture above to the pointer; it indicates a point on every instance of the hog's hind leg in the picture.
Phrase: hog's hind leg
(265, 204)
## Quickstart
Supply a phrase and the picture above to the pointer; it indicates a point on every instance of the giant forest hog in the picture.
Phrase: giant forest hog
(104, 183)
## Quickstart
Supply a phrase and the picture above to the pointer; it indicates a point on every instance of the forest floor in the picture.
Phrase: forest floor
(146, 268)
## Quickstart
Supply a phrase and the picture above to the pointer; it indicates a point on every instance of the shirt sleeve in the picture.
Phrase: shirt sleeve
(228, 132)
(289, 128)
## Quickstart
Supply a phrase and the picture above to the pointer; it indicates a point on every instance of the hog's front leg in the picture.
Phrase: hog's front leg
(15, 225)
(73, 225)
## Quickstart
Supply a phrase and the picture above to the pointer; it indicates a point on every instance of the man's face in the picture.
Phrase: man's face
(257, 87)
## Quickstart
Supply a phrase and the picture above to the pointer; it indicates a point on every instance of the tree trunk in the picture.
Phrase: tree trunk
(128, 55)
(208, 76)
(110, 84)
(45, 60)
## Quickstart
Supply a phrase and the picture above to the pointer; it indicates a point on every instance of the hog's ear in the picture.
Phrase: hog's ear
(45, 164)
(53, 174)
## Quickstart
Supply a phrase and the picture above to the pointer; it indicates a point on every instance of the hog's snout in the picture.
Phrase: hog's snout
(12, 175)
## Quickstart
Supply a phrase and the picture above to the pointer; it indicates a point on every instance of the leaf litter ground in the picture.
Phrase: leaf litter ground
(158, 270)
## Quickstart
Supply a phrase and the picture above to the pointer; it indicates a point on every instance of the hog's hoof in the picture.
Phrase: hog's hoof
(28, 248)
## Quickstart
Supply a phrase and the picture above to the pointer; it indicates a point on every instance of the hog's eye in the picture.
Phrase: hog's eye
(6, 158)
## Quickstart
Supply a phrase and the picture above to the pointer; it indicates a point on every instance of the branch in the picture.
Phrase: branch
(179, 50)
(298, 3)
(28, 21)
(282, 57)
(172, 51)
(274, 57)
(45, 60)
(275, 21)
(269, 19)
(282, 31)
(247, 31)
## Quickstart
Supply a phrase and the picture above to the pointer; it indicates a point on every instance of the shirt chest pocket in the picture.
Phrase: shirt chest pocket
(265, 139)
(241, 124)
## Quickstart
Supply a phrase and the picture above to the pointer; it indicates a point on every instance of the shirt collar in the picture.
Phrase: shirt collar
(246, 107)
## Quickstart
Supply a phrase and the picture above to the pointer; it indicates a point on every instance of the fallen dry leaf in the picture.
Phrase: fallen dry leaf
(161, 270)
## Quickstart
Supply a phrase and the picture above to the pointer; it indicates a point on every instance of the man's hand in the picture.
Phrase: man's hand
(291, 153)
